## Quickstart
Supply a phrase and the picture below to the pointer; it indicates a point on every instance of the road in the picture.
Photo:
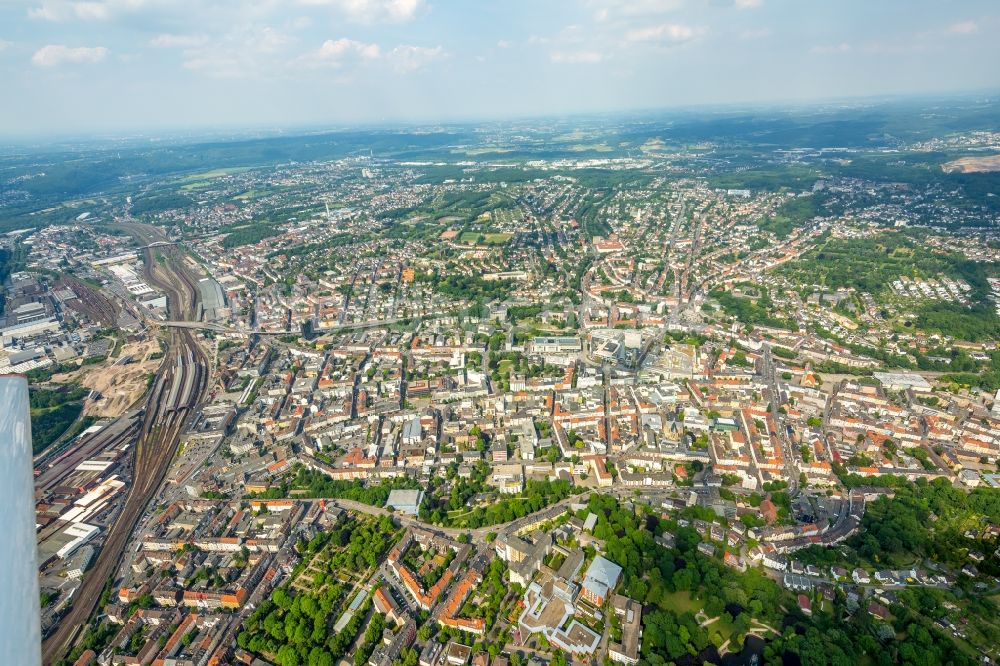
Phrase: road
(192, 324)
(477, 535)
(770, 373)
(157, 441)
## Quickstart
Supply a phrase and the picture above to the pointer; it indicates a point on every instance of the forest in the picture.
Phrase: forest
(471, 287)
(250, 234)
(921, 521)
(11, 260)
(988, 379)
(53, 411)
(317, 485)
(792, 214)
(677, 583)
(536, 496)
(292, 627)
(752, 312)
(872, 264)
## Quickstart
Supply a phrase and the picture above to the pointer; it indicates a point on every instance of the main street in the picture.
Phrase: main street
(770, 373)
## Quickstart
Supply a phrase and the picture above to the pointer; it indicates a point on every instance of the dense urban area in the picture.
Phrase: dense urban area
(651, 391)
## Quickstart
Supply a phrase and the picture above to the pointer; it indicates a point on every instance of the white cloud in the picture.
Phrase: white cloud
(171, 41)
(504, 44)
(337, 53)
(269, 40)
(4, 45)
(411, 58)
(565, 37)
(673, 32)
(576, 57)
(93, 10)
(374, 11)
(52, 11)
(843, 47)
(218, 64)
(57, 54)
(605, 10)
(334, 51)
(748, 4)
(246, 51)
(963, 28)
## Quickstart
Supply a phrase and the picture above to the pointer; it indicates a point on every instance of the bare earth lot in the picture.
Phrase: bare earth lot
(973, 164)
(119, 385)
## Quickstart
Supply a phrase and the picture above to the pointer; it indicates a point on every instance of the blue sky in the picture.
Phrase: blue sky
(70, 66)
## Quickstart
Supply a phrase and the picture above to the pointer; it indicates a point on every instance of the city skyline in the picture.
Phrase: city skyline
(126, 65)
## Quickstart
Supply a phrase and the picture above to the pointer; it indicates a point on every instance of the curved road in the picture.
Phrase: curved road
(478, 534)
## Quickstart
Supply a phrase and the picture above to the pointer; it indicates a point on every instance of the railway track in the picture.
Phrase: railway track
(52, 471)
(93, 302)
(167, 413)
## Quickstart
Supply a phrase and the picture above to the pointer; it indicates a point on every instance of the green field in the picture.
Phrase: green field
(487, 150)
(681, 602)
(470, 237)
(588, 147)
(497, 239)
(215, 173)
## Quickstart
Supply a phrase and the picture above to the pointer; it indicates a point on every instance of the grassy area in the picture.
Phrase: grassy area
(470, 237)
(497, 239)
(489, 150)
(681, 602)
(50, 421)
(214, 173)
(770, 178)
(202, 181)
(591, 147)
(871, 264)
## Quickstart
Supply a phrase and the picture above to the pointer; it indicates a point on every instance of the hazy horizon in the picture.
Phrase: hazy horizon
(237, 132)
(74, 67)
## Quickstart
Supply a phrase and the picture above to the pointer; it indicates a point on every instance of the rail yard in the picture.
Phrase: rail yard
(177, 389)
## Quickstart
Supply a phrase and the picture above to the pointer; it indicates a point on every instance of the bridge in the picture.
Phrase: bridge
(220, 328)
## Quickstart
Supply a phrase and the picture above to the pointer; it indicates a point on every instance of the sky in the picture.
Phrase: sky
(99, 66)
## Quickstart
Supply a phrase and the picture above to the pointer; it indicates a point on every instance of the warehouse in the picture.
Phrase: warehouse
(405, 501)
